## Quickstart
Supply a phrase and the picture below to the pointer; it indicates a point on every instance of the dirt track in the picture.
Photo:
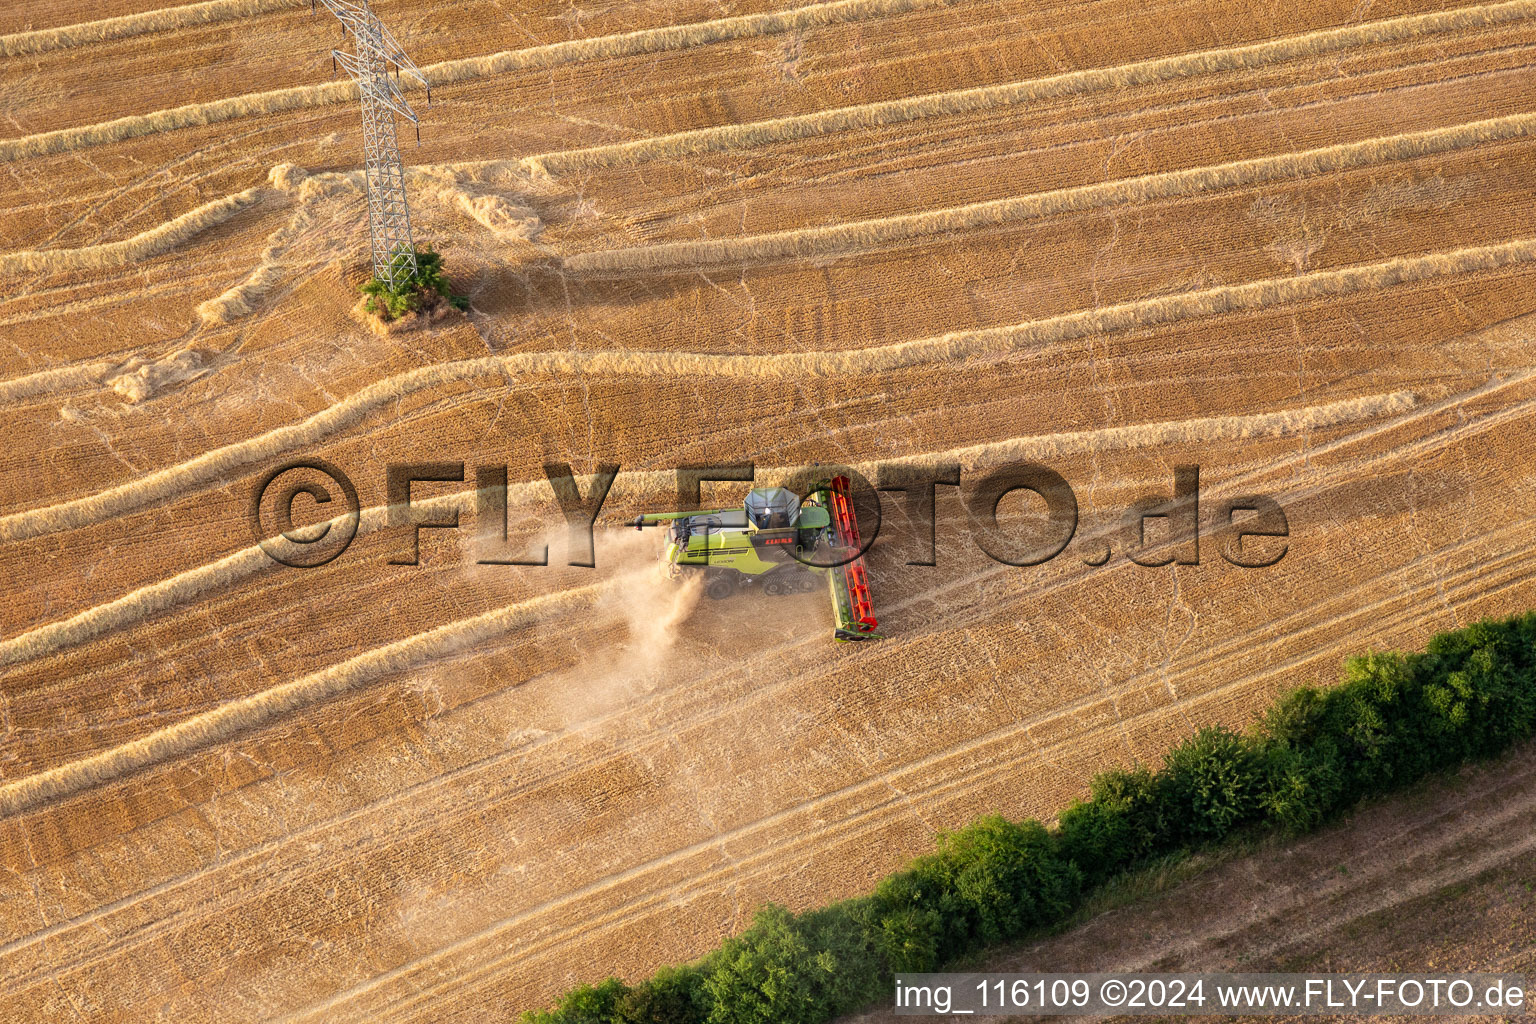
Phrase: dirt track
(1441, 878)
(238, 792)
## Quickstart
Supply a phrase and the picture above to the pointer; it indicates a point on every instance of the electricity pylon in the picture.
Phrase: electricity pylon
(389, 216)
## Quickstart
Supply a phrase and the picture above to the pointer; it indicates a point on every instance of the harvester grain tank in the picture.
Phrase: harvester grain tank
(779, 543)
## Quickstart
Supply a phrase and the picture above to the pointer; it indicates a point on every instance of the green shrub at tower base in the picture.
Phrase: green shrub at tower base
(420, 290)
(1392, 720)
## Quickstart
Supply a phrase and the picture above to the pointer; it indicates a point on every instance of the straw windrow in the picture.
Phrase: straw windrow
(156, 241)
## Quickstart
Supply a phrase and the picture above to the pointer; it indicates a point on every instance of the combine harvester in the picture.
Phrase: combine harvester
(778, 542)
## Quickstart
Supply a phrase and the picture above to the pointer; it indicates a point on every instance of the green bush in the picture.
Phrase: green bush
(1123, 821)
(905, 934)
(1479, 689)
(1390, 721)
(673, 995)
(1379, 720)
(586, 1004)
(1304, 745)
(991, 881)
(1212, 785)
(429, 281)
(789, 969)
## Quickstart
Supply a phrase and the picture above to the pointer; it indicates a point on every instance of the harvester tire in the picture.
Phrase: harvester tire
(720, 588)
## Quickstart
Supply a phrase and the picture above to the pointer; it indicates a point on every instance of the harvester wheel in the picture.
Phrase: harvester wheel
(720, 588)
(773, 587)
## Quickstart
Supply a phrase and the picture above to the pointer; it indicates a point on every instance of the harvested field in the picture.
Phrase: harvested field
(1340, 901)
(1292, 244)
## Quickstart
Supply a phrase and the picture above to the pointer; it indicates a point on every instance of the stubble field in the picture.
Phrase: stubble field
(1292, 244)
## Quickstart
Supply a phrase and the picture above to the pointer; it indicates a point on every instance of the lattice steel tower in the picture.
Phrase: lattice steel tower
(389, 216)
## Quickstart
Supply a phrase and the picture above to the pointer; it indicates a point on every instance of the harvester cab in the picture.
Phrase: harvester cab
(772, 508)
(780, 543)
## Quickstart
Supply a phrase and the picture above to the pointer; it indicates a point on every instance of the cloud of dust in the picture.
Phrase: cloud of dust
(642, 617)
(636, 605)
(652, 606)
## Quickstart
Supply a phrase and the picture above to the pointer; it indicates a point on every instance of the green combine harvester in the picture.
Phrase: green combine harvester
(768, 543)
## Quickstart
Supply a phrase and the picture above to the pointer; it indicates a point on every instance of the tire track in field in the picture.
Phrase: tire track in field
(157, 926)
(143, 602)
(781, 129)
(215, 467)
(241, 299)
(1299, 876)
(1506, 811)
(948, 788)
(867, 819)
(12, 947)
(1017, 448)
(114, 296)
(875, 159)
(98, 202)
(1418, 415)
(1326, 479)
(212, 727)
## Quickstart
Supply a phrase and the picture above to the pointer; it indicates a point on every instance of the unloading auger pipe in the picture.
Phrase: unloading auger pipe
(654, 518)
